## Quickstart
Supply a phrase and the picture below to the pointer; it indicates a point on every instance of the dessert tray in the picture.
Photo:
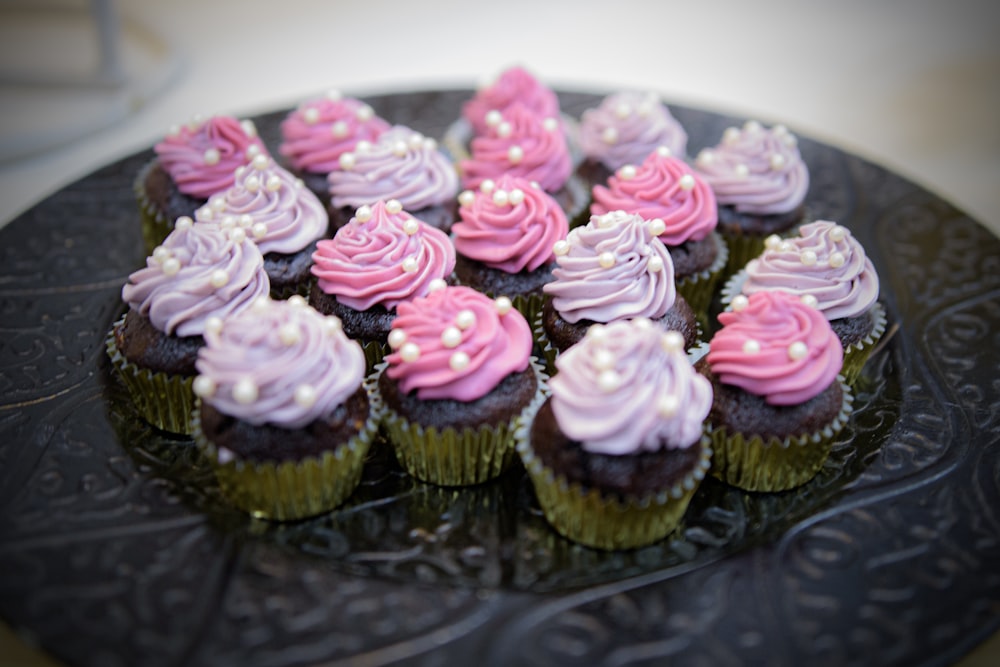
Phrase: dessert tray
(115, 547)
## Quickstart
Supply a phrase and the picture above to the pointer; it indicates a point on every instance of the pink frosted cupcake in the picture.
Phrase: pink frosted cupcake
(319, 131)
(456, 385)
(504, 240)
(760, 183)
(665, 188)
(403, 165)
(281, 216)
(193, 162)
(199, 276)
(613, 268)
(779, 398)
(827, 266)
(515, 85)
(623, 129)
(382, 258)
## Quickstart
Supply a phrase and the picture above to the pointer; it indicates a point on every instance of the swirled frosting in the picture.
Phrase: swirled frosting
(202, 156)
(403, 164)
(629, 387)
(774, 345)
(628, 126)
(612, 268)
(199, 272)
(316, 134)
(513, 85)
(521, 143)
(661, 187)
(271, 205)
(756, 170)
(457, 344)
(383, 256)
(824, 262)
(510, 224)
(280, 363)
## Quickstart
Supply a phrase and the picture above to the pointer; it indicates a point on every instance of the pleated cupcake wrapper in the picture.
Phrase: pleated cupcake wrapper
(699, 289)
(751, 463)
(375, 352)
(742, 249)
(291, 490)
(603, 521)
(453, 457)
(162, 399)
(155, 224)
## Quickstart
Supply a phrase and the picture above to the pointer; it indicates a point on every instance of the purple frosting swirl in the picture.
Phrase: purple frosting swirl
(612, 268)
(403, 165)
(628, 126)
(271, 205)
(629, 387)
(756, 170)
(199, 272)
(280, 363)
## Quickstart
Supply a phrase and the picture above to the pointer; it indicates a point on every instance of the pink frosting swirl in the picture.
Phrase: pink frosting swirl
(457, 344)
(662, 187)
(825, 262)
(199, 272)
(271, 205)
(521, 143)
(510, 224)
(612, 268)
(628, 126)
(629, 387)
(514, 85)
(756, 170)
(280, 363)
(774, 345)
(202, 156)
(383, 256)
(320, 130)
(403, 164)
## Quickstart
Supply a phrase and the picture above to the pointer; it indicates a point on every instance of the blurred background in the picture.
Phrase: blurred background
(913, 85)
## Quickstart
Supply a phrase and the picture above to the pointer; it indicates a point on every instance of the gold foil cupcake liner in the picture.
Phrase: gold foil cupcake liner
(699, 289)
(154, 223)
(752, 463)
(856, 355)
(453, 457)
(162, 399)
(291, 490)
(742, 249)
(588, 517)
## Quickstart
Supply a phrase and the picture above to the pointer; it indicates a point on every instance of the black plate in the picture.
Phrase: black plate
(115, 548)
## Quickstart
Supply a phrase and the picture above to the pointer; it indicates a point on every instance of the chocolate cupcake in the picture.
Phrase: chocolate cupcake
(617, 452)
(779, 397)
(760, 183)
(200, 275)
(614, 268)
(281, 216)
(504, 240)
(193, 162)
(284, 416)
(383, 257)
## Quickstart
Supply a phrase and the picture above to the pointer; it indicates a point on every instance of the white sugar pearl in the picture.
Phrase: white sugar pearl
(673, 341)
(245, 391)
(252, 184)
(751, 347)
(515, 154)
(253, 150)
(493, 118)
(777, 161)
(731, 135)
(772, 242)
(160, 253)
(204, 214)
(663, 151)
(183, 222)
(808, 258)
(259, 230)
(410, 265)
(655, 264)
(332, 324)
(500, 198)
(810, 300)
(609, 381)
(623, 110)
(219, 278)
(411, 226)
(667, 405)
(705, 158)
(399, 149)
(393, 206)
(245, 220)
(486, 186)
(610, 136)
(171, 266)
(347, 161)
(657, 226)
(260, 162)
(310, 115)
(305, 396)
(362, 146)
(203, 386)
(503, 305)
(465, 319)
(742, 170)
(516, 196)
(436, 284)
(797, 351)
(409, 352)
(606, 259)
(627, 172)
(364, 213)
(837, 233)
(597, 333)
(786, 246)
(459, 361)
(466, 198)
(396, 338)
(297, 301)
(212, 156)
(339, 129)
(504, 129)
(451, 337)
(228, 222)
(560, 248)
(237, 235)
(273, 183)
(642, 323)
(752, 126)
(364, 113)
(214, 324)
(550, 124)
(837, 260)
(740, 301)
(686, 182)
(249, 128)
(289, 334)
(604, 360)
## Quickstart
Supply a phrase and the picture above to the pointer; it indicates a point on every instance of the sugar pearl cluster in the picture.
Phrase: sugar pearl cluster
(796, 351)
(399, 148)
(808, 257)
(732, 135)
(608, 259)
(410, 227)
(499, 196)
(503, 129)
(171, 265)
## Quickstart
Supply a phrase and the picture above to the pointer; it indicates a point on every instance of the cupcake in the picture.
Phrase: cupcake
(200, 275)
(521, 143)
(283, 413)
(825, 265)
(384, 257)
(456, 385)
(623, 129)
(281, 216)
(779, 398)
(515, 85)
(192, 163)
(614, 268)
(760, 184)
(319, 131)
(665, 188)
(403, 165)
(618, 450)
(504, 240)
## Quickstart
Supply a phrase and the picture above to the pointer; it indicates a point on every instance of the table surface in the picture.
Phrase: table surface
(909, 84)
